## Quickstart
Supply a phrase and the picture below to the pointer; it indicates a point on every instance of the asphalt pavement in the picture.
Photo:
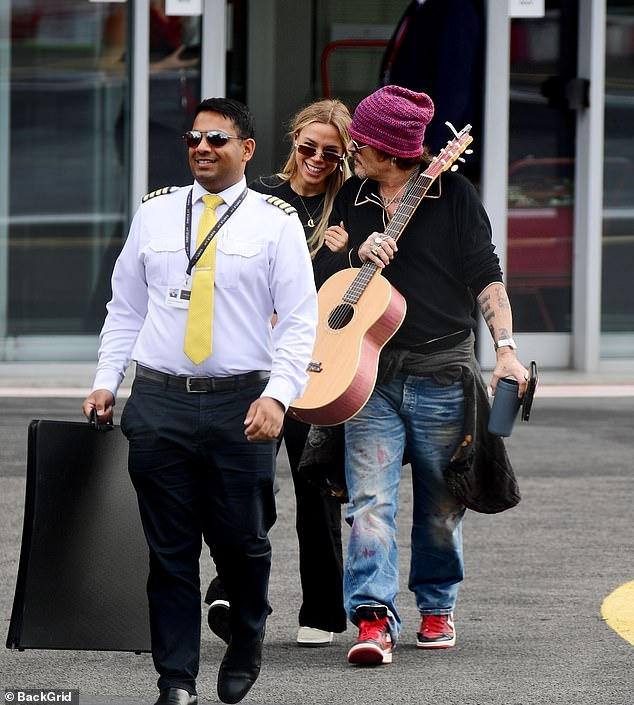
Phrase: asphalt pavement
(529, 624)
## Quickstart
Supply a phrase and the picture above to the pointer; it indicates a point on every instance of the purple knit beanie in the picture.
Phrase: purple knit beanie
(393, 119)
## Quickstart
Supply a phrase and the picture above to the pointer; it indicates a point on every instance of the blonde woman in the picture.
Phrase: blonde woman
(316, 168)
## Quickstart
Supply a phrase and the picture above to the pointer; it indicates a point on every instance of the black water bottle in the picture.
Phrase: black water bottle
(506, 404)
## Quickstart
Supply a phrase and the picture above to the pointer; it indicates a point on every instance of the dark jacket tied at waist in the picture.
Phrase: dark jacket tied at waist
(479, 474)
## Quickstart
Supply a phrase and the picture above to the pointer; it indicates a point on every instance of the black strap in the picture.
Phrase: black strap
(210, 235)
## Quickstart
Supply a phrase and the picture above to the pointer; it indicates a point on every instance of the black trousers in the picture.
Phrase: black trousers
(318, 524)
(197, 477)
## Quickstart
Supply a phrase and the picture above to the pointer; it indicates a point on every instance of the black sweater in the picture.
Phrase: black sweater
(445, 255)
(307, 207)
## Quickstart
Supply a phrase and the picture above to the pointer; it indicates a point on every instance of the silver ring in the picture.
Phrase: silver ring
(378, 240)
(374, 251)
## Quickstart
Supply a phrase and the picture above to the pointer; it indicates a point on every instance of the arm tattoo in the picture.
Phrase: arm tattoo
(495, 300)
(503, 305)
(503, 299)
(487, 312)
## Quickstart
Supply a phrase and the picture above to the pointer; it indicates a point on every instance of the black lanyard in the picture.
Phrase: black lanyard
(210, 235)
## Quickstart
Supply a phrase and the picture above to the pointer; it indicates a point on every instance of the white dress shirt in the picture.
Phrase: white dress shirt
(262, 265)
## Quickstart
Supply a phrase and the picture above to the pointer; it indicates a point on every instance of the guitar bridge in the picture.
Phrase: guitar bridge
(314, 366)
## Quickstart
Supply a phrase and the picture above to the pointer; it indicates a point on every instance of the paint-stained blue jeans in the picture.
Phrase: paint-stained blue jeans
(427, 418)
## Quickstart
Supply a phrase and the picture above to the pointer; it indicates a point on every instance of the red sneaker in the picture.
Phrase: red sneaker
(437, 631)
(374, 643)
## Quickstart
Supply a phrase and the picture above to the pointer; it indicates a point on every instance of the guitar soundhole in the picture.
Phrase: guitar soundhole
(340, 316)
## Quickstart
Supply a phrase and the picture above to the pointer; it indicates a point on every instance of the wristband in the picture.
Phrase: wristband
(505, 343)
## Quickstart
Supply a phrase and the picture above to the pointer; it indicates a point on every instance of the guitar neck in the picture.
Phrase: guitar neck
(394, 229)
(408, 205)
(358, 286)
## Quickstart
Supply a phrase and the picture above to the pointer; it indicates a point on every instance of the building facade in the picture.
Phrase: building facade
(94, 97)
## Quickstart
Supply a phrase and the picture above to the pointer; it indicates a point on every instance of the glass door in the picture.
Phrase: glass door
(617, 311)
(66, 186)
(544, 95)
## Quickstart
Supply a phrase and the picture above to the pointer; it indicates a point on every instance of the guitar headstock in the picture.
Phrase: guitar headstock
(449, 154)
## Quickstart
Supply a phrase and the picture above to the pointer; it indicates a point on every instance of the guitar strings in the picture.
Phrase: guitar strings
(410, 201)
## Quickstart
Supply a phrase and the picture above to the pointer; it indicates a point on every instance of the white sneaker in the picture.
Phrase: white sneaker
(309, 636)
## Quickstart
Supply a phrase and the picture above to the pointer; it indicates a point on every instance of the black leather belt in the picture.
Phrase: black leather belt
(201, 385)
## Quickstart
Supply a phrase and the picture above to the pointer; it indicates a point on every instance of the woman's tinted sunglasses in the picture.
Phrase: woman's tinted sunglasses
(331, 157)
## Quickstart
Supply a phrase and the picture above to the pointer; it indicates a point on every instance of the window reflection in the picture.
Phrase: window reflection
(541, 171)
(539, 254)
(174, 64)
(617, 312)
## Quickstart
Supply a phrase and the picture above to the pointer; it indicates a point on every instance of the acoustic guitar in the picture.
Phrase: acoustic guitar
(359, 311)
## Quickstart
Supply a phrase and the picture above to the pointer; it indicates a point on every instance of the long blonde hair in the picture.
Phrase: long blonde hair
(329, 112)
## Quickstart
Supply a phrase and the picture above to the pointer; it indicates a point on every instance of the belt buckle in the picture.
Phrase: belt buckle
(191, 389)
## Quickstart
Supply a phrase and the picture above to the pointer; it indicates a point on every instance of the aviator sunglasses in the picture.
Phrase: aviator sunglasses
(215, 138)
(356, 147)
(307, 151)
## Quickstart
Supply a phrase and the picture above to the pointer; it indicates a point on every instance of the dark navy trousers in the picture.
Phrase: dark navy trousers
(198, 478)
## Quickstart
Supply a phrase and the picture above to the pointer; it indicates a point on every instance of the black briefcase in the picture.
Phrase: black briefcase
(83, 560)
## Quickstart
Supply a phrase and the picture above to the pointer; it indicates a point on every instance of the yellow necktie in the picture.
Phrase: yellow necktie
(198, 333)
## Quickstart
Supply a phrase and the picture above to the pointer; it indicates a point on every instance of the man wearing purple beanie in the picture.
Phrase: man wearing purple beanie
(444, 265)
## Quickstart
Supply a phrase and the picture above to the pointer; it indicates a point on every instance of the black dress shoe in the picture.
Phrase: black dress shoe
(176, 696)
(239, 670)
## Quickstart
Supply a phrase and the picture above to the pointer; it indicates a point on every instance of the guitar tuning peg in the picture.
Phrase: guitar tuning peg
(452, 128)
(455, 167)
(468, 151)
(460, 159)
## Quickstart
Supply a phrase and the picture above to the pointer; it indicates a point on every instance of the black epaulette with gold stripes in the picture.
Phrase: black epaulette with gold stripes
(280, 203)
(159, 192)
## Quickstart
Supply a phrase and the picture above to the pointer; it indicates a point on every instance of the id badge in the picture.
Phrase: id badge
(179, 296)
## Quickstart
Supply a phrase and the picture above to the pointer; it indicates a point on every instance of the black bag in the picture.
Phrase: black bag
(480, 474)
(83, 561)
(482, 479)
